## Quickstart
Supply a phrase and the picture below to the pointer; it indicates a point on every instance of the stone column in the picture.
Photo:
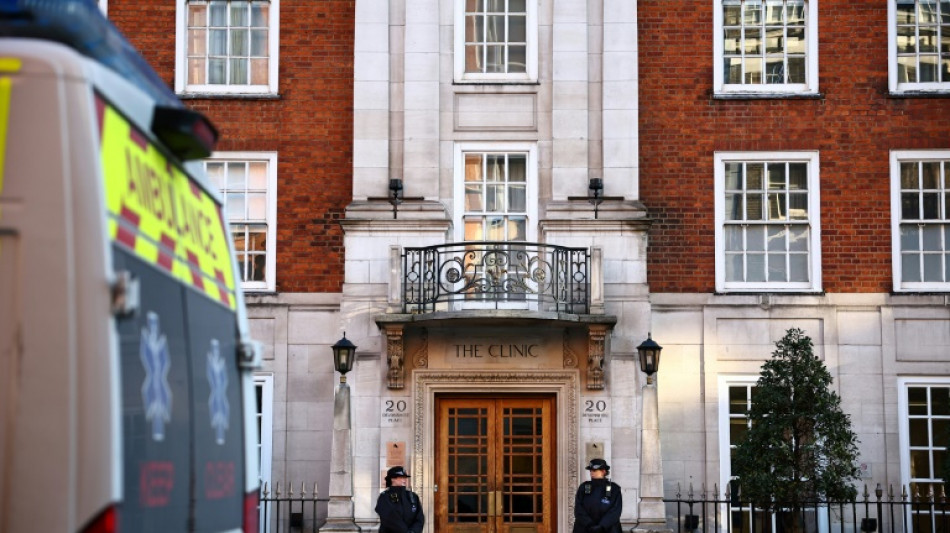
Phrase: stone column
(340, 506)
(652, 515)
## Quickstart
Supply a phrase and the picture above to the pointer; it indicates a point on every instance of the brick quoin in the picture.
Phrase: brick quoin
(853, 126)
(310, 126)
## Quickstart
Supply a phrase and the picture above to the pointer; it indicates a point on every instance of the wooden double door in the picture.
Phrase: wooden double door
(496, 464)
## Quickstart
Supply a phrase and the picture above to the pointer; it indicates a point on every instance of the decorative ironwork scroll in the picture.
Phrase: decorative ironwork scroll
(499, 274)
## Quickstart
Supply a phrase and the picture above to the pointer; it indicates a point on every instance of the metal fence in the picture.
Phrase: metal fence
(910, 511)
(289, 510)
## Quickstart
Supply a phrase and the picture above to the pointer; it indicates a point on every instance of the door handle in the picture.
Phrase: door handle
(491, 503)
(499, 504)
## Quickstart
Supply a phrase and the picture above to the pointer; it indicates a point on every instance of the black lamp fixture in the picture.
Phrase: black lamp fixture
(649, 352)
(344, 353)
(395, 193)
(595, 192)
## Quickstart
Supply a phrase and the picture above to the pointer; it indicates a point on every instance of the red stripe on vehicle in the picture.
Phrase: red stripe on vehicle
(130, 216)
(100, 115)
(125, 236)
(196, 279)
(137, 137)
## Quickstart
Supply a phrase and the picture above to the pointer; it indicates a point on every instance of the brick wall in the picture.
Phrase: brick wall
(853, 126)
(310, 126)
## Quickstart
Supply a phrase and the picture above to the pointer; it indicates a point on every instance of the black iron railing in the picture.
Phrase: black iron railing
(907, 512)
(496, 275)
(290, 510)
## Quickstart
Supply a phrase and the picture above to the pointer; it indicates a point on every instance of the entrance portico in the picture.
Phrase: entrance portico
(450, 379)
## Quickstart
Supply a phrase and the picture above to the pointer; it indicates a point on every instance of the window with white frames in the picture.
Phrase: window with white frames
(248, 185)
(919, 45)
(924, 423)
(920, 218)
(227, 46)
(496, 197)
(767, 222)
(736, 394)
(264, 393)
(496, 40)
(766, 46)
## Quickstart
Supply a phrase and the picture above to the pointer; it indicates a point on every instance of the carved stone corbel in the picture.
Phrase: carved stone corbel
(394, 357)
(596, 336)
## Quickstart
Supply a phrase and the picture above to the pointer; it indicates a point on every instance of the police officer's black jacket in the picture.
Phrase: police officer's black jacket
(598, 503)
(400, 511)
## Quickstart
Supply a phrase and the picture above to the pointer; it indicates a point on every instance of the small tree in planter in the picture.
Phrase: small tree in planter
(800, 447)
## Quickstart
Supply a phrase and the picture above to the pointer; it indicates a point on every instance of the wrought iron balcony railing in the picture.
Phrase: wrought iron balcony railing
(496, 275)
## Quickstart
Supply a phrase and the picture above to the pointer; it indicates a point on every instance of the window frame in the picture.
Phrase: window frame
(270, 268)
(894, 86)
(896, 158)
(810, 87)
(264, 418)
(531, 185)
(903, 420)
(811, 158)
(182, 85)
(725, 446)
(531, 53)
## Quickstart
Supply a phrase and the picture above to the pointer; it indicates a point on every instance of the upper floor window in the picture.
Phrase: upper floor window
(227, 47)
(496, 40)
(919, 45)
(496, 193)
(766, 46)
(920, 218)
(767, 222)
(248, 185)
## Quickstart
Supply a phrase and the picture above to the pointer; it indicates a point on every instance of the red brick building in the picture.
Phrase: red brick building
(794, 162)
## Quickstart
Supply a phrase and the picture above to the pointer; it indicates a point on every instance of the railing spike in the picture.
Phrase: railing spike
(866, 493)
(278, 489)
(264, 491)
(690, 493)
(314, 491)
(303, 491)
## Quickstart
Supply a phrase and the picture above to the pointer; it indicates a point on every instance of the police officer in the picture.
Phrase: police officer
(399, 509)
(598, 503)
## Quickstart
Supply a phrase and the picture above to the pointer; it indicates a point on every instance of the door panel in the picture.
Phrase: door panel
(495, 465)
